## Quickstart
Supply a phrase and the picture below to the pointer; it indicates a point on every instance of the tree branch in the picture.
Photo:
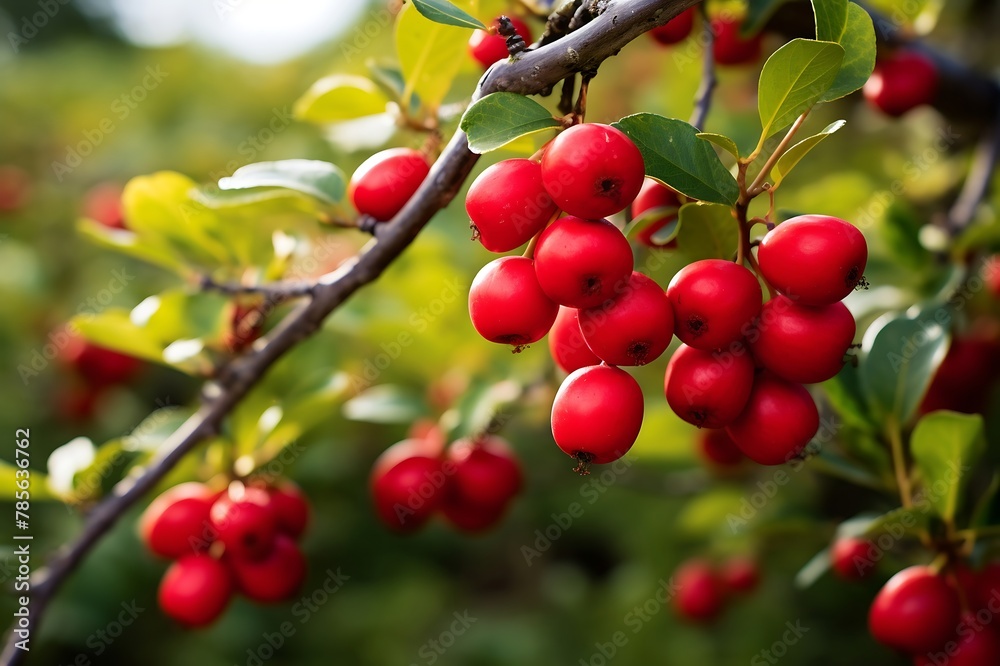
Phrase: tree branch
(276, 292)
(977, 182)
(703, 98)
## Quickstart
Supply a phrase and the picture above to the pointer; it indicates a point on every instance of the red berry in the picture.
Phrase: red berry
(382, 185)
(813, 259)
(592, 170)
(729, 48)
(246, 323)
(991, 274)
(740, 574)
(276, 576)
(699, 594)
(597, 414)
(15, 188)
(801, 343)
(779, 420)
(569, 349)
(406, 485)
(717, 448)
(103, 203)
(508, 204)
(99, 367)
(632, 329)
(916, 611)
(974, 644)
(507, 305)
(676, 29)
(290, 508)
(901, 82)
(582, 263)
(472, 518)
(964, 380)
(195, 590)
(245, 521)
(177, 522)
(489, 48)
(708, 389)
(654, 194)
(851, 558)
(715, 303)
(486, 472)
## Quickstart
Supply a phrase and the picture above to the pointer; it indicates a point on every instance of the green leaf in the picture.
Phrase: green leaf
(442, 11)
(482, 404)
(899, 356)
(675, 155)
(318, 179)
(340, 97)
(898, 523)
(707, 231)
(814, 569)
(654, 216)
(793, 79)
(721, 141)
(385, 403)
(758, 13)
(858, 40)
(831, 19)
(795, 154)
(151, 250)
(946, 447)
(502, 117)
(835, 465)
(845, 396)
(38, 484)
(430, 55)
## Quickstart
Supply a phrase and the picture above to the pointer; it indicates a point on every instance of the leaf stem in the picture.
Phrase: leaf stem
(757, 186)
(895, 437)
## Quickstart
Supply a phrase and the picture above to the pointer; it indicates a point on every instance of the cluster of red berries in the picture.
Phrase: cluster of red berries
(241, 539)
(901, 81)
(703, 589)
(729, 47)
(471, 483)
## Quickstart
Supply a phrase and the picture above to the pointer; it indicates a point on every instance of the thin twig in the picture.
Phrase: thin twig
(757, 186)
(703, 98)
(977, 182)
(276, 292)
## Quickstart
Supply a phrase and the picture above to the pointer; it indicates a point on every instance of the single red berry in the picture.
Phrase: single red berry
(15, 188)
(486, 472)
(582, 263)
(813, 259)
(916, 611)
(195, 590)
(654, 194)
(245, 521)
(801, 343)
(290, 508)
(592, 170)
(700, 594)
(716, 447)
(98, 366)
(472, 518)
(382, 185)
(715, 303)
(779, 420)
(676, 29)
(103, 203)
(729, 47)
(508, 204)
(900, 82)
(568, 348)
(851, 558)
(964, 380)
(488, 48)
(597, 414)
(177, 522)
(507, 305)
(406, 485)
(634, 328)
(276, 576)
(708, 389)
(739, 574)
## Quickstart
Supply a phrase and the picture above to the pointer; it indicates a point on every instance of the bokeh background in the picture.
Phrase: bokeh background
(227, 69)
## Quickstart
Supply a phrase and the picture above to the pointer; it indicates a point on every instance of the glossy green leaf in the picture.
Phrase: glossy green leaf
(499, 118)
(831, 19)
(385, 403)
(794, 78)
(845, 395)
(442, 11)
(858, 40)
(721, 141)
(795, 154)
(675, 155)
(707, 231)
(946, 447)
(430, 55)
(318, 179)
(340, 97)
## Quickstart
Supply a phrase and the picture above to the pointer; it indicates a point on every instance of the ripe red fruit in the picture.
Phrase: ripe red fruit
(99, 367)
(406, 485)
(974, 644)
(901, 82)
(486, 472)
(654, 194)
(177, 522)
(779, 420)
(850, 558)
(739, 574)
(195, 590)
(676, 29)
(489, 48)
(916, 611)
(717, 448)
(964, 380)
(569, 349)
(700, 594)
(471, 518)
(597, 414)
(103, 203)
(15, 188)
(632, 329)
(382, 185)
(245, 521)
(714, 303)
(291, 509)
(813, 259)
(508, 204)
(582, 263)
(592, 170)
(507, 305)
(729, 48)
(276, 576)
(801, 343)
(707, 389)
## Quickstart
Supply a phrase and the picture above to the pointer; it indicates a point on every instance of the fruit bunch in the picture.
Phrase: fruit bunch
(703, 589)
(729, 47)
(242, 539)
